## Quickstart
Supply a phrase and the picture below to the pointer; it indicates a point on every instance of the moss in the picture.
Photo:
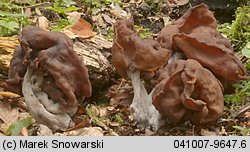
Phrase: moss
(239, 30)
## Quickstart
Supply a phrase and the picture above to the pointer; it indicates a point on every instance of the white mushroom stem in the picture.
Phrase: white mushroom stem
(37, 109)
(145, 113)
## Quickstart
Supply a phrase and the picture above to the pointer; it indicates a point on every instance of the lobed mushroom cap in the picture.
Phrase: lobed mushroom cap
(130, 51)
(196, 35)
(189, 92)
(213, 52)
(193, 18)
(51, 54)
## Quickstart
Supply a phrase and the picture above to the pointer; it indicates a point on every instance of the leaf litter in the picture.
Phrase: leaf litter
(115, 118)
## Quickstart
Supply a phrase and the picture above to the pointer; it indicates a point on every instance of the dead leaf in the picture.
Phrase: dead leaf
(118, 12)
(88, 131)
(108, 19)
(28, 12)
(148, 132)
(44, 131)
(8, 115)
(83, 29)
(100, 22)
(123, 98)
(38, 12)
(171, 1)
(74, 16)
(182, 2)
(114, 124)
(94, 111)
(42, 22)
(110, 108)
(8, 95)
(247, 115)
(103, 112)
(69, 33)
(206, 132)
(80, 121)
(24, 132)
(223, 131)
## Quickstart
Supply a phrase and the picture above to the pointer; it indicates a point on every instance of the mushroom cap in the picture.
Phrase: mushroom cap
(212, 52)
(130, 51)
(51, 54)
(193, 18)
(189, 92)
(196, 35)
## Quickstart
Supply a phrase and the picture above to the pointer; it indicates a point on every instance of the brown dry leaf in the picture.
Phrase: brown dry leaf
(94, 111)
(8, 115)
(206, 132)
(24, 132)
(81, 121)
(107, 19)
(223, 131)
(69, 33)
(44, 131)
(148, 132)
(114, 124)
(74, 16)
(103, 112)
(123, 98)
(100, 22)
(181, 2)
(118, 12)
(43, 23)
(1, 134)
(83, 29)
(28, 12)
(88, 131)
(247, 115)
(7, 94)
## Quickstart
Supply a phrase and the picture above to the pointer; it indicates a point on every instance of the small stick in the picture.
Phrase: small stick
(242, 111)
(38, 5)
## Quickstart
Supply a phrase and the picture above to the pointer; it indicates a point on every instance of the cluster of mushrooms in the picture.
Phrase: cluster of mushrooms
(53, 79)
(187, 63)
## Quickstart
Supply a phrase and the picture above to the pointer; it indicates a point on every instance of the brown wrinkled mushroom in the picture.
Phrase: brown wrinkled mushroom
(55, 79)
(212, 52)
(195, 17)
(196, 35)
(189, 92)
(130, 55)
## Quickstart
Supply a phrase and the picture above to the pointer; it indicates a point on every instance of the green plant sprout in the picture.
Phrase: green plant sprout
(62, 7)
(244, 131)
(143, 32)
(241, 90)
(11, 18)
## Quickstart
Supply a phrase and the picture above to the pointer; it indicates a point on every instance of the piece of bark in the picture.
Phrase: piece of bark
(95, 53)
(7, 47)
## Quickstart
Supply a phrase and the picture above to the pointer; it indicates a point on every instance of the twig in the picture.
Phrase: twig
(242, 111)
(38, 5)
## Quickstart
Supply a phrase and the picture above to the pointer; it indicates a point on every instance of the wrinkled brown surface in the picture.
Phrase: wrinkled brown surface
(187, 91)
(192, 21)
(196, 36)
(130, 51)
(51, 53)
(213, 53)
(16, 71)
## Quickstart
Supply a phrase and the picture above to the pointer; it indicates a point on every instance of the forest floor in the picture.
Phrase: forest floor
(106, 113)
